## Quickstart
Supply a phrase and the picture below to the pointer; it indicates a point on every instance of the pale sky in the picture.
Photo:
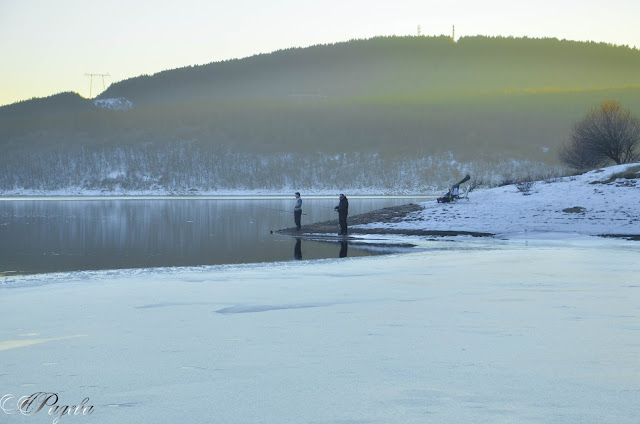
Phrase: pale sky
(47, 46)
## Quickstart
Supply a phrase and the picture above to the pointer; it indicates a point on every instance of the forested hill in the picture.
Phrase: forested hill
(392, 99)
(380, 66)
(395, 66)
(61, 103)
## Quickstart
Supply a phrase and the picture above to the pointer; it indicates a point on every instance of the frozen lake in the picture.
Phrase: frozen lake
(525, 331)
(77, 234)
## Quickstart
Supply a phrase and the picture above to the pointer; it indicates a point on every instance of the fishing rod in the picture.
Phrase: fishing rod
(282, 210)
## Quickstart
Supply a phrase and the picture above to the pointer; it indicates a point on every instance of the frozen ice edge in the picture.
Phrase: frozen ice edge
(394, 244)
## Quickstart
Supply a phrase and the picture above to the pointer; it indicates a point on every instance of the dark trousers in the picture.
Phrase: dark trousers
(296, 217)
(342, 217)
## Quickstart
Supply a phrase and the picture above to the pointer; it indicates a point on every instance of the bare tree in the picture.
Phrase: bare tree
(579, 156)
(607, 132)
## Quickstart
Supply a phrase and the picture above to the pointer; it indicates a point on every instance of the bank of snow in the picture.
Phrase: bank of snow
(590, 204)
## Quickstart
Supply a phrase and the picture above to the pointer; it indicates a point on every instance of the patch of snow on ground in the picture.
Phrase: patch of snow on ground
(114, 104)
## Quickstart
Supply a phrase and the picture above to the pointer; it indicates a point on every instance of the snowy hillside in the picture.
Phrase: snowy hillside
(604, 201)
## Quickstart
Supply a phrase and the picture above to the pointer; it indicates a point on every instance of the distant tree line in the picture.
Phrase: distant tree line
(191, 167)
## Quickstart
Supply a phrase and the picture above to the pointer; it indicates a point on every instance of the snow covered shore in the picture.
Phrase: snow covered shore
(591, 204)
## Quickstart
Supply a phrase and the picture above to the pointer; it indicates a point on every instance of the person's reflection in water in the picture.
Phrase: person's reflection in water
(297, 251)
(343, 249)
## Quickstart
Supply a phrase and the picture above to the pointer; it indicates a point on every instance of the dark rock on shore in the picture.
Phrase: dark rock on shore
(632, 237)
(390, 214)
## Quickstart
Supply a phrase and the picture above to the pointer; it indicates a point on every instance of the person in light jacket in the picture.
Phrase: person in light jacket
(297, 211)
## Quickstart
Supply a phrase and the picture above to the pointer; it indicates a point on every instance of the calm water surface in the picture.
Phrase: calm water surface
(39, 236)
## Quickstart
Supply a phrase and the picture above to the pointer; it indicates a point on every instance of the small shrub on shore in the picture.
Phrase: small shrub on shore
(525, 187)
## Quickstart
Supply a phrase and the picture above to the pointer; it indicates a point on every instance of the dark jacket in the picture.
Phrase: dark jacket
(343, 206)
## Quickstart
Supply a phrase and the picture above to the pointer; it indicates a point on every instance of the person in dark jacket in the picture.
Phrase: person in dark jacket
(343, 211)
(297, 210)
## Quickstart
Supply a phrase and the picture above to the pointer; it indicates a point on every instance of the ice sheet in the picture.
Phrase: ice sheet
(498, 332)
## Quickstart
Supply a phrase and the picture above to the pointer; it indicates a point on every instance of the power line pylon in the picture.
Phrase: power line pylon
(104, 87)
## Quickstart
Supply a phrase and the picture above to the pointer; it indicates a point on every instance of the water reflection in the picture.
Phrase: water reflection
(297, 250)
(48, 236)
(343, 249)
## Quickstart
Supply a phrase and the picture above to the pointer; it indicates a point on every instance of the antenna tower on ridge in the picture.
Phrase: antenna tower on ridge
(104, 87)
